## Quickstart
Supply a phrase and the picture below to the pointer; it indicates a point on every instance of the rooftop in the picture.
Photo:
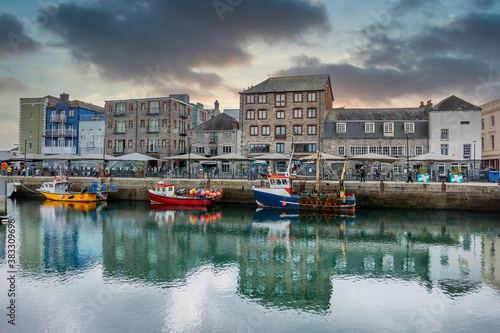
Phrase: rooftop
(291, 83)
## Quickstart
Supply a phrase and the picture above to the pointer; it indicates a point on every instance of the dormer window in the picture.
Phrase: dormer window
(341, 127)
(389, 129)
(409, 127)
(369, 127)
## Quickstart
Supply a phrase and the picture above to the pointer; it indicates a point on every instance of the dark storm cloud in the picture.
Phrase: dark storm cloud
(460, 56)
(13, 38)
(11, 84)
(156, 40)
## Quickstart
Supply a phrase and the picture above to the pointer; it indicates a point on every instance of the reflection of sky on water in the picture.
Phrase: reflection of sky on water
(185, 268)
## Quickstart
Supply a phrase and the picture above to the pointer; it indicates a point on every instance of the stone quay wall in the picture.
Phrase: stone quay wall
(374, 194)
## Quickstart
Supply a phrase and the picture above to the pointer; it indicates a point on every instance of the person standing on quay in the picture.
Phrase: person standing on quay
(409, 176)
(362, 175)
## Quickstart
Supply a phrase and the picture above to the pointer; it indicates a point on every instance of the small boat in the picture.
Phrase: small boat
(58, 190)
(279, 194)
(166, 194)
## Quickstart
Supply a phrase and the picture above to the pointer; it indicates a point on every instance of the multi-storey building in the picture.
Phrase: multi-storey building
(454, 130)
(157, 127)
(61, 128)
(490, 132)
(398, 132)
(32, 113)
(282, 110)
(92, 134)
(217, 136)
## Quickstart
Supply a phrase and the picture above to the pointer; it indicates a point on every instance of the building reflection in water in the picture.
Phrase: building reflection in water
(285, 259)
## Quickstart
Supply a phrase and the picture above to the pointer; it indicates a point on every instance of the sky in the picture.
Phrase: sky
(378, 53)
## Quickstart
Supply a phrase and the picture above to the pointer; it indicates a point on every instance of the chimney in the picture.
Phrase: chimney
(64, 97)
(422, 105)
(428, 107)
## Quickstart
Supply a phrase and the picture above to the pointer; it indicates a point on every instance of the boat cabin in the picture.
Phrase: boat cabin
(165, 189)
(55, 187)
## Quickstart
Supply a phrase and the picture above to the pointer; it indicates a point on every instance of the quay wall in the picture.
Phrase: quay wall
(374, 194)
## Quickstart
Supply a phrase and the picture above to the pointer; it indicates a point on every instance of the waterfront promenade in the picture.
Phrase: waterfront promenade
(371, 194)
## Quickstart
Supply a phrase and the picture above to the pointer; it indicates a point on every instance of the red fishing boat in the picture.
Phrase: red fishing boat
(166, 194)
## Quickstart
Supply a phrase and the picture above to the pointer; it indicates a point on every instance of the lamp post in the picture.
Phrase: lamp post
(474, 167)
(24, 151)
(407, 152)
(189, 158)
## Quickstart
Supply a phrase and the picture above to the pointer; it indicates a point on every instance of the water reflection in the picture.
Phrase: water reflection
(284, 259)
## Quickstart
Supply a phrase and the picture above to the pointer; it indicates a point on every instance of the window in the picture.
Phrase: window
(143, 123)
(225, 167)
(409, 127)
(120, 126)
(153, 145)
(214, 137)
(341, 127)
(154, 107)
(305, 148)
(467, 150)
(311, 113)
(91, 142)
(200, 150)
(120, 146)
(250, 99)
(130, 143)
(71, 113)
(311, 97)
(358, 150)
(131, 124)
(492, 142)
(482, 124)
(297, 113)
(30, 146)
(465, 122)
(444, 149)
(311, 129)
(445, 134)
(153, 126)
(120, 109)
(200, 135)
(280, 147)
(250, 114)
(31, 134)
(492, 118)
(369, 127)
(297, 97)
(280, 132)
(280, 114)
(389, 129)
(262, 114)
(266, 130)
(280, 99)
(227, 149)
(419, 150)
(297, 129)
(341, 151)
(259, 148)
(254, 130)
(262, 98)
(31, 116)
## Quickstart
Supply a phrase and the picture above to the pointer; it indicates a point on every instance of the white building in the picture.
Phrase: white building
(455, 130)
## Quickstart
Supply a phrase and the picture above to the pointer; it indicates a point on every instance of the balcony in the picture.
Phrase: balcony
(59, 150)
(280, 136)
(60, 133)
(153, 112)
(183, 132)
(120, 113)
(183, 115)
(152, 131)
(119, 131)
(58, 118)
(92, 117)
(118, 152)
(181, 151)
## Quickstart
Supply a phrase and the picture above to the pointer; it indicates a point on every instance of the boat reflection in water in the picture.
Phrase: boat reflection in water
(81, 206)
(166, 214)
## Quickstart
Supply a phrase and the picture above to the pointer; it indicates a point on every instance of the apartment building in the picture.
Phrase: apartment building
(490, 132)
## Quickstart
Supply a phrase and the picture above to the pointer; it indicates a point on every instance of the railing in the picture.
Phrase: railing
(59, 150)
(183, 115)
(60, 132)
(120, 113)
(154, 130)
(117, 131)
(153, 111)
(58, 118)
(92, 117)
(183, 132)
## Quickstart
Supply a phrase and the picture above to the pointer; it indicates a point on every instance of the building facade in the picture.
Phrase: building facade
(217, 136)
(157, 127)
(455, 130)
(62, 123)
(397, 132)
(490, 153)
(282, 110)
(91, 134)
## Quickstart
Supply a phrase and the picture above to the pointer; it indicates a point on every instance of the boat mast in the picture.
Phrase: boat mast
(341, 182)
(317, 170)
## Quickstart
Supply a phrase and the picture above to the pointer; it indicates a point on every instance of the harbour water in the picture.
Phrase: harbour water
(132, 267)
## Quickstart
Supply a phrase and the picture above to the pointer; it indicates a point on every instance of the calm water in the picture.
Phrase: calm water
(124, 267)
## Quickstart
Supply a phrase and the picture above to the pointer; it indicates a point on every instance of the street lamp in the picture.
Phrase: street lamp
(474, 167)
(407, 152)
(24, 151)
(189, 158)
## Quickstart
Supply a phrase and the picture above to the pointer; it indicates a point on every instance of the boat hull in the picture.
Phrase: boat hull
(180, 200)
(280, 198)
(75, 196)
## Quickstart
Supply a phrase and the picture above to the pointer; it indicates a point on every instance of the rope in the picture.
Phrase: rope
(28, 189)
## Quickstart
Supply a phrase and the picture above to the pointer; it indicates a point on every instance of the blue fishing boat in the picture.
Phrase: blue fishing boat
(279, 194)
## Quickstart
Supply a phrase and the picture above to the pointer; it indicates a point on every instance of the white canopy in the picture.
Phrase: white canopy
(273, 156)
(185, 157)
(323, 157)
(134, 157)
(230, 157)
(374, 158)
(433, 157)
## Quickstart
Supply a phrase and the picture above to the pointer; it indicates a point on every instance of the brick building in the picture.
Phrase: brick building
(157, 127)
(282, 110)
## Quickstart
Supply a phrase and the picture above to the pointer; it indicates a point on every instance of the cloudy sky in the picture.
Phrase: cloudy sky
(378, 53)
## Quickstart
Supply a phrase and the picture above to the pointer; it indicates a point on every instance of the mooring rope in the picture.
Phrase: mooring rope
(27, 188)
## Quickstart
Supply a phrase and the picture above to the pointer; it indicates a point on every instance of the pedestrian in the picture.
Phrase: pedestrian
(9, 170)
(252, 174)
(377, 174)
(96, 171)
(362, 175)
(107, 171)
(409, 176)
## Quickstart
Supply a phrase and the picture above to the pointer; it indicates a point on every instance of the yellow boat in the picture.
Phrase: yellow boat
(82, 206)
(58, 190)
